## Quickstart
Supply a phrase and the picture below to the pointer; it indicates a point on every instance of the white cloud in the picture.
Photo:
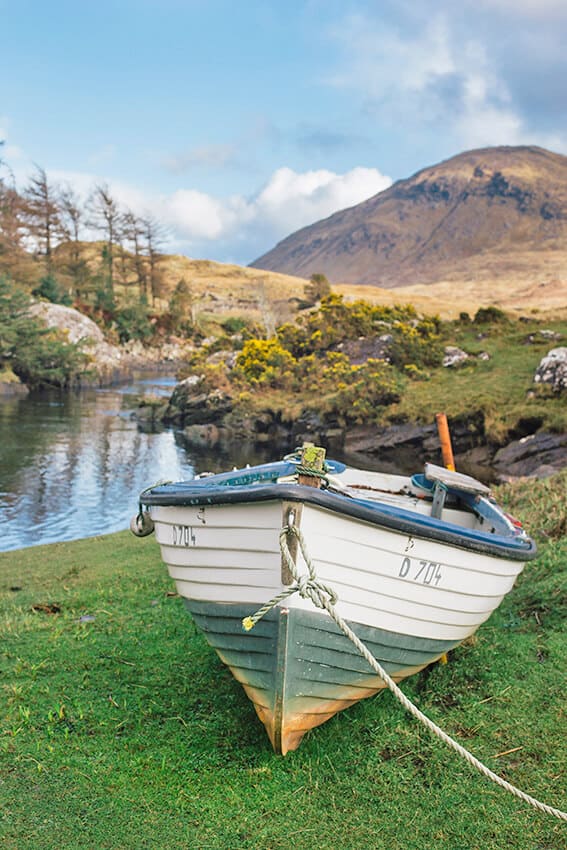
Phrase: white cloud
(382, 62)
(433, 74)
(248, 227)
(237, 228)
(195, 215)
(291, 200)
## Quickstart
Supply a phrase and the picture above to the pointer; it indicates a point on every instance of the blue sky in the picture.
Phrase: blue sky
(238, 123)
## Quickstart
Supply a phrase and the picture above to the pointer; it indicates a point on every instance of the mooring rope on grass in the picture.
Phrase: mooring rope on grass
(324, 597)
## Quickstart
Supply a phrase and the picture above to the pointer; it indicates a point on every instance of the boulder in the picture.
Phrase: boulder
(553, 369)
(454, 356)
(108, 363)
(360, 350)
(536, 456)
(191, 404)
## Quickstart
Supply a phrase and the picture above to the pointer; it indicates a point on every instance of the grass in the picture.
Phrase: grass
(120, 728)
(499, 391)
(501, 388)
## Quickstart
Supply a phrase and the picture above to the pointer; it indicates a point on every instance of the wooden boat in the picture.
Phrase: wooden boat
(417, 564)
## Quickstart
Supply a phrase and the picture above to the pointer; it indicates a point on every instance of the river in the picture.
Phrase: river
(73, 463)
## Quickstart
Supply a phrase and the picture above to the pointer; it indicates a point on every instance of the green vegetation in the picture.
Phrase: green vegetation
(500, 388)
(37, 355)
(120, 728)
(50, 290)
(363, 363)
(317, 288)
(305, 358)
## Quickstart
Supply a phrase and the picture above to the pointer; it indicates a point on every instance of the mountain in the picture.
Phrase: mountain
(484, 218)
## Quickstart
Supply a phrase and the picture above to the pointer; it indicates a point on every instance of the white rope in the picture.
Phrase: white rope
(323, 599)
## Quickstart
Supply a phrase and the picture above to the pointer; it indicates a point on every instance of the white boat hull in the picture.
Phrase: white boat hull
(410, 598)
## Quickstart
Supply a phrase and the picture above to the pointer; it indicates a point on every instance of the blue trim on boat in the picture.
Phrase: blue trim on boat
(257, 484)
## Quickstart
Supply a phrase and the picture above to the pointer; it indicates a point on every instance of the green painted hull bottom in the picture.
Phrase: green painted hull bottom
(299, 669)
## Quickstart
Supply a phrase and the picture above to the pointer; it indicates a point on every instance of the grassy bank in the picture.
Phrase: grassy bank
(121, 729)
(330, 364)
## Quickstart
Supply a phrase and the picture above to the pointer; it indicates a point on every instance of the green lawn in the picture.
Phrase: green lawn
(502, 388)
(120, 728)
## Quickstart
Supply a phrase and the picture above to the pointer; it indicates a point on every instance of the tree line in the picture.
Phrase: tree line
(87, 252)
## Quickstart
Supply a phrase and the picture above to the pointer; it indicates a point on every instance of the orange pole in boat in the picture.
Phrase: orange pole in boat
(445, 440)
(448, 463)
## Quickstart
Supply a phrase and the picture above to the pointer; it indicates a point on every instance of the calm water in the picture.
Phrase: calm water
(72, 464)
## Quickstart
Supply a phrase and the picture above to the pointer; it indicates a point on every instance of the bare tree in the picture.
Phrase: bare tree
(71, 214)
(13, 256)
(12, 227)
(42, 213)
(134, 230)
(154, 236)
(72, 219)
(104, 216)
(266, 310)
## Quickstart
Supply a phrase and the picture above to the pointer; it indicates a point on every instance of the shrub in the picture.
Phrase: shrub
(37, 355)
(317, 288)
(50, 289)
(490, 316)
(234, 325)
(370, 387)
(334, 322)
(417, 344)
(133, 323)
(264, 362)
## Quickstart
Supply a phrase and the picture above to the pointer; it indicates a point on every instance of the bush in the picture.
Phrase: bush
(334, 322)
(50, 289)
(317, 288)
(133, 323)
(37, 355)
(490, 316)
(370, 387)
(264, 362)
(417, 344)
(234, 325)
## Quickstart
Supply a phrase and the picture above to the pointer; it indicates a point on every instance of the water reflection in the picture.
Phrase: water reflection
(72, 464)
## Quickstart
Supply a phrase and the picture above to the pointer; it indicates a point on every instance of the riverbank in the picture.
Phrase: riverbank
(125, 730)
(367, 382)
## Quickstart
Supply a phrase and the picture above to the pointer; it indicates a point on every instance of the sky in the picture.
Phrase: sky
(236, 124)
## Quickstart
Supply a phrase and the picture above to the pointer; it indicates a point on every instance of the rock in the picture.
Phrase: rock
(454, 356)
(151, 409)
(541, 335)
(73, 324)
(535, 455)
(553, 369)
(202, 436)
(191, 405)
(412, 442)
(108, 363)
(228, 358)
(484, 355)
(360, 350)
(13, 388)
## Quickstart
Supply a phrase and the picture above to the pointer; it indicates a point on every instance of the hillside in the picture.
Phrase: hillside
(491, 220)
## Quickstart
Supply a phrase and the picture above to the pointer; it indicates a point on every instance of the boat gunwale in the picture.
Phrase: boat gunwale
(201, 494)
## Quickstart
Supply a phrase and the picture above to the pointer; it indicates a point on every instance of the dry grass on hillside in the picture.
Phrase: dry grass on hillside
(220, 290)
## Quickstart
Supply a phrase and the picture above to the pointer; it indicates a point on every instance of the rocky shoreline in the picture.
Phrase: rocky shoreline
(107, 364)
(210, 421)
